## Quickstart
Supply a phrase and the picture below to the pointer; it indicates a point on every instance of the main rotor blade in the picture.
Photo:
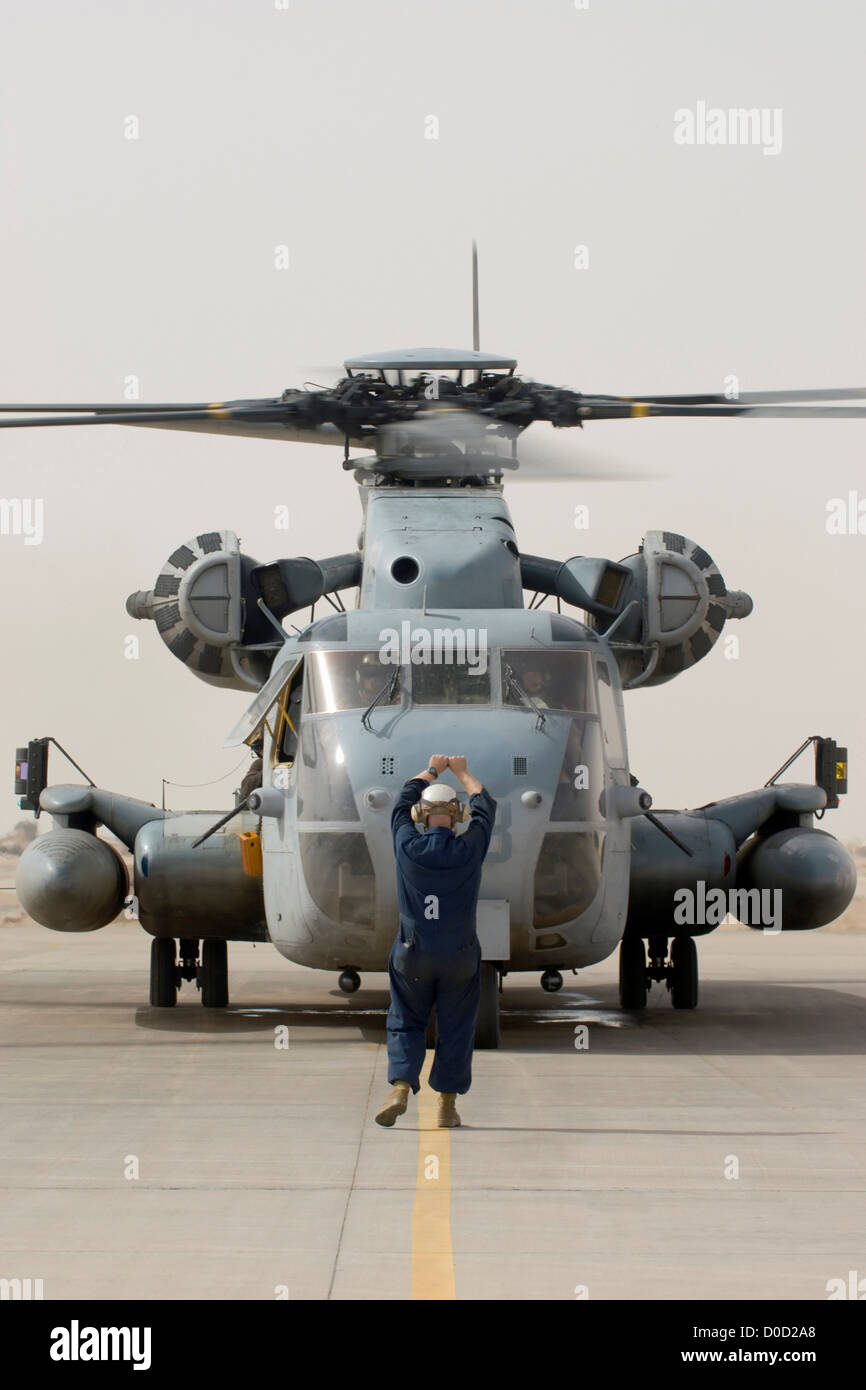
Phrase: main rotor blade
(143, 417)
(600, 408)
(257, 419)
(852, 393)
(482, 418)
(116, 408)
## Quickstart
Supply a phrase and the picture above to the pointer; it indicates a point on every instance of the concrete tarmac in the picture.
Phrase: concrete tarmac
(184, 1153)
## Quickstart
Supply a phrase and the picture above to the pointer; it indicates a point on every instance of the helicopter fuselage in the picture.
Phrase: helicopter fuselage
(559, 862)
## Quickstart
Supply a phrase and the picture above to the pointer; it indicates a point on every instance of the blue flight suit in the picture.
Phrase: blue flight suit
(436, 957)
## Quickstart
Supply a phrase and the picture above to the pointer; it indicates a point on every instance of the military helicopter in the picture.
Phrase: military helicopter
(442, 651)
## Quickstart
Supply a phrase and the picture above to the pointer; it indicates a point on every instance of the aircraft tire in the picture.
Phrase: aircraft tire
(163, 972)
(214, 974)
(632, 972)
(487, 1033)
(684, 957)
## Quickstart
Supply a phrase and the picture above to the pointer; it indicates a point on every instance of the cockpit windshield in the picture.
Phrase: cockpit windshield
(457, 684)
(547, 680)
(348, 680)
(531, 679)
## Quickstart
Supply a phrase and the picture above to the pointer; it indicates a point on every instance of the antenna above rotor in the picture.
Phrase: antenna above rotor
(476, 330)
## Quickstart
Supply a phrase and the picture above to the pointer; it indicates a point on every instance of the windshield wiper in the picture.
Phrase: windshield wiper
(511, 681)
(387, 689)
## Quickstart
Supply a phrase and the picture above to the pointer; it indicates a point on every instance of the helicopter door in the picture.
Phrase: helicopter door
(252, 721)
(287, 726)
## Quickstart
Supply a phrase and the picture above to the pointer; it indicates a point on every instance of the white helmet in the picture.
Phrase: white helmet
(439, 800)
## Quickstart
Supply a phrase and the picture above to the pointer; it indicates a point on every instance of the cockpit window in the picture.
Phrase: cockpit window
(445, 684)
(547, 680)
(324, 788)
(611, 730)
(348, 680)
(567, 876)
(581, 777)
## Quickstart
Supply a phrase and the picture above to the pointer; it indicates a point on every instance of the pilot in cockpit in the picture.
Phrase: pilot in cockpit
(536, 682)
(371, 674)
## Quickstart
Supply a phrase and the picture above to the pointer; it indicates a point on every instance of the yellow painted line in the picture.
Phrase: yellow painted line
(432, 1255)
(639, 410)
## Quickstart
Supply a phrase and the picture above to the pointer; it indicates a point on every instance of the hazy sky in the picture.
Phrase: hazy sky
(307, 126)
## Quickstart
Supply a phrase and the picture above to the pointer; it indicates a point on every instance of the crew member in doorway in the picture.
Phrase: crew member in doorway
(436, 957)
(254, 776)
(291, 730)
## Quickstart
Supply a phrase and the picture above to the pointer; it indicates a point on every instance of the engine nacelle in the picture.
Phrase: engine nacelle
(69, 880)
(673, 609)
(815, 873)
(198, 606)
(205, 604)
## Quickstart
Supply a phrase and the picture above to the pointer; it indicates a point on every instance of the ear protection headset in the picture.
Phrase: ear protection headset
(438, 800)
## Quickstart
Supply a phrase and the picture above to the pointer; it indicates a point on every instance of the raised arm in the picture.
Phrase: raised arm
(482, 807)
(469, 783)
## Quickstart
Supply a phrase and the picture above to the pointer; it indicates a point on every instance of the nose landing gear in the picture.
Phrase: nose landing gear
(349, 981)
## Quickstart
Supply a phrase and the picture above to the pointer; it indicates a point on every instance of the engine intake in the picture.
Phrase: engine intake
(205, 605)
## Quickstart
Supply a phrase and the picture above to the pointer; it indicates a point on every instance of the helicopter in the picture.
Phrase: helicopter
(443, 649)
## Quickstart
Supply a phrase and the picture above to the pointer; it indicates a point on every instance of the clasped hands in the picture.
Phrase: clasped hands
(440, 761)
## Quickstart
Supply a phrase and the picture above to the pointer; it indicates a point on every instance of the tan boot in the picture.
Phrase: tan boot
(448, 1117)
(395, 1104)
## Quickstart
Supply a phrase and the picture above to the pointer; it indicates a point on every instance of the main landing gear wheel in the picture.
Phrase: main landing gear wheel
(684, 986)
(632, 973)
(163, 972)
(214, 974)
(487, 1022)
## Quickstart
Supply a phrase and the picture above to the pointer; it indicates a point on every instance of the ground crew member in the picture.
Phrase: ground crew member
(436, 957)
